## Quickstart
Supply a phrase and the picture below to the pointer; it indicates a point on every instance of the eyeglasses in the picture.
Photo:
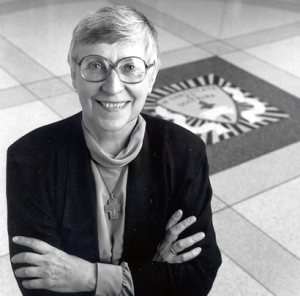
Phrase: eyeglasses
(95, 68)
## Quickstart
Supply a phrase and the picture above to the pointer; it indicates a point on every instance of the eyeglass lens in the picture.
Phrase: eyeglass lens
(96, 68)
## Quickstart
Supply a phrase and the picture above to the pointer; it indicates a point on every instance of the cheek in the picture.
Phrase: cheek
(86, 91)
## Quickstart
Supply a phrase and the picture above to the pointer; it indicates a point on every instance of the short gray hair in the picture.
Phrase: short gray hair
(114, 24)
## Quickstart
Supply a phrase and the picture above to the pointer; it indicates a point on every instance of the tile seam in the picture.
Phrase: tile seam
(3, 255)
(247, 272)
(264, 233)
(57, 95)
(8, 73)
(178, 49)
(35, 96)
(265, 190)
(256, 158)
(164, 15)
(32, 82)
(220, 210)
(224, 8)
(273, 30)
(267, 63)
(214, 38)
(35, 62)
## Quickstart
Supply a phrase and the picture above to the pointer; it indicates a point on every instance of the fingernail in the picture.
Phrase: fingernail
(179, 212)
(24, 283)
(15, 239)
(200, 235)
(192, 219)
(13, 259)
(199, 250)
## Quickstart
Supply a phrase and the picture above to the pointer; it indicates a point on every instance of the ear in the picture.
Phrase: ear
(153, 77)
(73, 73)
(74, 83)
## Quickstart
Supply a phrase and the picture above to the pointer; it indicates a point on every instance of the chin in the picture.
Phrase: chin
(112, 126)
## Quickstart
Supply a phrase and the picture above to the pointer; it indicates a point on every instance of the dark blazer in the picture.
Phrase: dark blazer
(51, 196)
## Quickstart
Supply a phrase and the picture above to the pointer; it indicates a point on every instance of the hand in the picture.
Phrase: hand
(56, 270)
(168, 249)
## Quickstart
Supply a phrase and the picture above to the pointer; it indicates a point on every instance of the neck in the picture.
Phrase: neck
(112, 142)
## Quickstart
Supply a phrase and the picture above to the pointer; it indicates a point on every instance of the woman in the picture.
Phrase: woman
(109, 201)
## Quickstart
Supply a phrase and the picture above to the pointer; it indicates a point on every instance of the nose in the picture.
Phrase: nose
(112, 84)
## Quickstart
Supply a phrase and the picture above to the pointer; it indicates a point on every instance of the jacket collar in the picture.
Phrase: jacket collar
(141, 195)
(80, 193)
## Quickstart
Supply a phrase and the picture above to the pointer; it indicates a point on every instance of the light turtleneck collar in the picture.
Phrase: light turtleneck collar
(126, 155)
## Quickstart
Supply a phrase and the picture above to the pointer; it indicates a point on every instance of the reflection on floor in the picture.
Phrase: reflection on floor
(248, 49)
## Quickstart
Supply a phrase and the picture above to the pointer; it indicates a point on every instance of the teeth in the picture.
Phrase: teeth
(112, 105)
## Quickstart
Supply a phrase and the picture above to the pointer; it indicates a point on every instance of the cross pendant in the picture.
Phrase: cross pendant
(113, 208)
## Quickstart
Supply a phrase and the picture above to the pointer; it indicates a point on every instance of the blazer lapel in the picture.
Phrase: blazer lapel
(80, 215)
(141, 205)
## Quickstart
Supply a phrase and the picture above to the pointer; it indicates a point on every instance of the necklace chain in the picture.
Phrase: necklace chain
(111, 194)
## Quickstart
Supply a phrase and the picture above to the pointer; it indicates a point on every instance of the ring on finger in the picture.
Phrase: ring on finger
(173, 252)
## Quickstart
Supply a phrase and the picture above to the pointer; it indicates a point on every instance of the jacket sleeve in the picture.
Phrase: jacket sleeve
(27, 215)
(194, 277)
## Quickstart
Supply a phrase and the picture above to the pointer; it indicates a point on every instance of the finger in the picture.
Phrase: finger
(178, 228)
(174, 219)
(186, 256)
(182, 244)
(29, 258)
(31, 271)
(34, 244)
(34, 284)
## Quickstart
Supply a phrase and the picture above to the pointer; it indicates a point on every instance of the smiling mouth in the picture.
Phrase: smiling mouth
(112, 105)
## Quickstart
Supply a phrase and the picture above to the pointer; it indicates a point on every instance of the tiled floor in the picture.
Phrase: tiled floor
(256, 204)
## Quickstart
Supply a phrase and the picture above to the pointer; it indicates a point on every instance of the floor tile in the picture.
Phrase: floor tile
(19, 65)
(6, 1)
(232, 280)
(67, 79)
(166, 21)
(15, 96)
(217, 204)
(65, 105)
(183, 30)
(264, 36)
(265, 71)
(168, 41)
(3, 227)
(217, 47)
(287, 5)
(264, 259)
(240, 18)
(253, 177)
(275, 54)
(49, 88)
(278, 207)
(225, 19)
(210, 21)
(14, 123)
(8, 283)
(6, 80)
(182, 56)
(44, 33)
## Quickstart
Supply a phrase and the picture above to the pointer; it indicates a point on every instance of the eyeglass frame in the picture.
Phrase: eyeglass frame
(113, 66)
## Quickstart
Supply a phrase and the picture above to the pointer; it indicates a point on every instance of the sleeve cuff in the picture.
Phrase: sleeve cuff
(109, 280)
(127, 282)
(114, 280)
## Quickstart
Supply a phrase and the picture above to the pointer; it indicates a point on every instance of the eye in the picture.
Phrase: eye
(95, 66)
(129, 67)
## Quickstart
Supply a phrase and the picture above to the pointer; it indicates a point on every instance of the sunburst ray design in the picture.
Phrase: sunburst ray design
(209, 94)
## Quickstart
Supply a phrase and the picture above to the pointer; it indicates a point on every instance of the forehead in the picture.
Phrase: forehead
(113, 51)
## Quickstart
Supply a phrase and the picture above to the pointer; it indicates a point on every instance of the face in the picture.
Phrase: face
(111, 105)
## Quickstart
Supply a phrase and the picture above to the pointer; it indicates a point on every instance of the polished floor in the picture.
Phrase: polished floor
(256, 203)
